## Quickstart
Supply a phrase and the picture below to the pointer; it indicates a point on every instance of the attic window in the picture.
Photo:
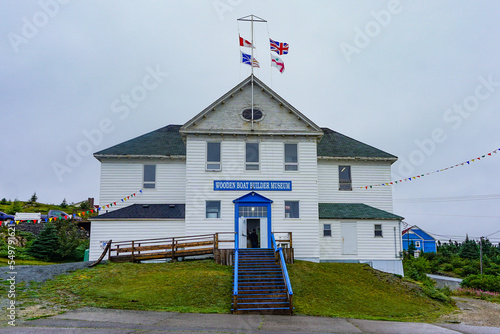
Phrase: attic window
(247, 114)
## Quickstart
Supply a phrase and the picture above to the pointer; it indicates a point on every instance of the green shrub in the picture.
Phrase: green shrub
(485, 282)
(470, 270)
(447, 267)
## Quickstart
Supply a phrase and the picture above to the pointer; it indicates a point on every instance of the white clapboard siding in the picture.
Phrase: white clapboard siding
(370, 247)
(199, 188)
(125, 230)
(121, 178)
(362, 174)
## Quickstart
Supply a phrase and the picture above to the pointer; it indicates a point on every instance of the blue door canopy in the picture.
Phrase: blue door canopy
(252, 198)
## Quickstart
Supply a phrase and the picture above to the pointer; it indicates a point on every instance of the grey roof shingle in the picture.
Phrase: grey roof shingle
(165, 141)
(334, 144)
(146, 211)
(353, 211)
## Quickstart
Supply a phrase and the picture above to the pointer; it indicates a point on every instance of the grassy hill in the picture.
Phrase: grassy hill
(9, 207)
(321, 289)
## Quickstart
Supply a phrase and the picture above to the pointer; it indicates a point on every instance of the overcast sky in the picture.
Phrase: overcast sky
(418, 79)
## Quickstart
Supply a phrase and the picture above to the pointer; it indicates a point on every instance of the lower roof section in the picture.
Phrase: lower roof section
(146, 211)
(353, 211)
(177, 211)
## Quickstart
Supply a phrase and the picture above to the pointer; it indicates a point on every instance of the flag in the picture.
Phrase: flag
(247, 59)
(245, 43)
(279, 48)
(278, 63)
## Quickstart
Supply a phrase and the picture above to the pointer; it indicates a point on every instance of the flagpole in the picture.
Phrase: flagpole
(252, 67)
(251, 19)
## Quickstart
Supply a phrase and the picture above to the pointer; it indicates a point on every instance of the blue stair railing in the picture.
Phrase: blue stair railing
(279, 252)
(235, 284)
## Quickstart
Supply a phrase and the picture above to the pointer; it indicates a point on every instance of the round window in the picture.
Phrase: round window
(247, 114)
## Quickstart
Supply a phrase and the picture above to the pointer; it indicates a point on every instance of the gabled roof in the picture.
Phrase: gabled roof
(353, 211)
(252, 197)
(258, 84)
(145, 211)
(419, 232)
(167, 142)
(337, 145)
(164, 142)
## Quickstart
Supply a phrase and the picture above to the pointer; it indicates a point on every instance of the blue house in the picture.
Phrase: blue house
(423, 241)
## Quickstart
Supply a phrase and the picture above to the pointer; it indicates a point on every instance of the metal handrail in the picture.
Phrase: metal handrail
(283, 266)
(235, 286)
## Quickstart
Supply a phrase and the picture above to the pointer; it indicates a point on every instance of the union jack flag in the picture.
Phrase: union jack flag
(279, 48)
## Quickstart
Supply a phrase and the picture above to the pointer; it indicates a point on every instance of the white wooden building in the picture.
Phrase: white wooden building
(308, 178)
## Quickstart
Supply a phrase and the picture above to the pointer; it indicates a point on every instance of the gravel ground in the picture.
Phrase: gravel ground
(40, 273)
(474, 312)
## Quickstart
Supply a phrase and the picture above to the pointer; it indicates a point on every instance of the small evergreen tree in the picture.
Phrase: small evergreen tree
(3, 201)
(412, 248)
(69, 239)
(46, 245)
(64, 204)
(469, 249)
(33, 198)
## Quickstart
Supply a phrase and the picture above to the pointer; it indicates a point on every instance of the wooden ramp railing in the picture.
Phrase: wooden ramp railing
(220, 245)
(166, 248)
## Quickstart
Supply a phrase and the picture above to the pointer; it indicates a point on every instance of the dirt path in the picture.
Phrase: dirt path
(474, 312)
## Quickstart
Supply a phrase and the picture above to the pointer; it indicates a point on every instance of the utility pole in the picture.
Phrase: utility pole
(481, 254)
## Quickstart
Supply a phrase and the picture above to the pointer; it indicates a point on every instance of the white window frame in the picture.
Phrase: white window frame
(207, 163)
(284, 207)
(350, 178)
(144, 182)
(219, 213)
(247, 163)
(417, 243)
(329, 230)
(285, 164)
(375, 231)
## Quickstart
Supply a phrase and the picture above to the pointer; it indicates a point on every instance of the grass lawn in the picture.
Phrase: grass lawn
(358, 291)
(320, 289)
(190, 286)
(5, 262)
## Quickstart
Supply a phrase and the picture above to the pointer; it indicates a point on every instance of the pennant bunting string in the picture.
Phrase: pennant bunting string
(83, 213)
(393, 182)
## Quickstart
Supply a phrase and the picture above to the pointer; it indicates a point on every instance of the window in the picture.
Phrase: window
(345, 178)
(327, 230)
(213, 209)
(149, 176)
(378, 230)
(247, 114)
(291, 157)
(417, 244)
(213, 156)
(252, 156)
(291, 209)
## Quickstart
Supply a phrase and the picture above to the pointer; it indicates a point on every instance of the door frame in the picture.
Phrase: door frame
(252, 199)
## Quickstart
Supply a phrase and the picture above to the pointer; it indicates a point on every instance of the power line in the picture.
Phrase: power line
(438, 214)
(448, 199)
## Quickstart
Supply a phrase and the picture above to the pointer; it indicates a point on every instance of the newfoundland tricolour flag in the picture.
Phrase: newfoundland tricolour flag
(244, 42)
(247, 59)
(279, 48)
(278, 63)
